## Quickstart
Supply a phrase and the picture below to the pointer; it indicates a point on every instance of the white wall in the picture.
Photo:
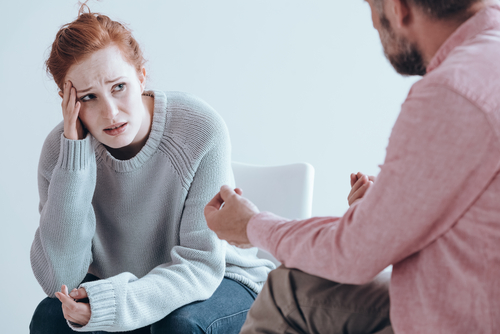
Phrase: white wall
(294, 80)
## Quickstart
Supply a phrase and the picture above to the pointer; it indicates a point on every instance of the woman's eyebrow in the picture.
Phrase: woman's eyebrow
(83, 90)
(109, 81)
(90, 88)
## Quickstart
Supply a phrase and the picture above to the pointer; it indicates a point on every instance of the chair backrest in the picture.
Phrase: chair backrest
(284, 190)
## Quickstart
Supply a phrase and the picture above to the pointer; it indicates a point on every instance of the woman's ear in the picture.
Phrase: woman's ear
(61, 94)
(142, 79)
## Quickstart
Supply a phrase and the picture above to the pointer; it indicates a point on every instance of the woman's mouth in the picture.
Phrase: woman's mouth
(116, 129)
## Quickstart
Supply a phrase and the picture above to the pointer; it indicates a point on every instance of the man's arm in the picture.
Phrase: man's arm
(239, 210)
(439, 160)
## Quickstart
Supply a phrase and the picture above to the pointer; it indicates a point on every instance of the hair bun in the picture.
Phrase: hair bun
(83, 6)
(87, 34)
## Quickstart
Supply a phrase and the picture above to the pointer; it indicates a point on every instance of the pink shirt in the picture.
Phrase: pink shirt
(434, 211)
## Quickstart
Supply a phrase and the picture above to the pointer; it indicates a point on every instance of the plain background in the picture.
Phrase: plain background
(294, 81)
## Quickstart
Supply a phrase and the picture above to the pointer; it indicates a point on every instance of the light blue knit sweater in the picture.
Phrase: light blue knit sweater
(138, 224)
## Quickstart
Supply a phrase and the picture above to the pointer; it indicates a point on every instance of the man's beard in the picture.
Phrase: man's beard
(403, 55)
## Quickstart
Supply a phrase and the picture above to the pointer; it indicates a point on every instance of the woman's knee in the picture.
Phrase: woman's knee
(48, 318)
(223, 313)
(178, 322)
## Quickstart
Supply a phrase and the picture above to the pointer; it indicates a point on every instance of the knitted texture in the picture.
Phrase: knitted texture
(138, 224)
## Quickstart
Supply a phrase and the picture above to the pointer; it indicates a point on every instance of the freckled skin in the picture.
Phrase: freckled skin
(114, 98)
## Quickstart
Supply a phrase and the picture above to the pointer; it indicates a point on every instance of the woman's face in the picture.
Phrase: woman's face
(109, 90)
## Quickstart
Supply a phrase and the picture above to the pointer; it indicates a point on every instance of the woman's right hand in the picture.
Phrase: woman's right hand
(73, 128)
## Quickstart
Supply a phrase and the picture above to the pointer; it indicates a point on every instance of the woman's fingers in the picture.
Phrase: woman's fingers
(73, 128)
(69, 98)
(68, 308)
(73, 107)
(65, 96)
(80, 293)
(73, 311)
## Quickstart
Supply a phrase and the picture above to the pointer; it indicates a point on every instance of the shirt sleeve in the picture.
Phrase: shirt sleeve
(125, 302)
(441, 156)
(61, 250)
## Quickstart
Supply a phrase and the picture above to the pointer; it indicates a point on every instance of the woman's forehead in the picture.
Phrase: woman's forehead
(99, 68)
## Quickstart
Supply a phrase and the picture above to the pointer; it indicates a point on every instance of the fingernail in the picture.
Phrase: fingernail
(74, 293)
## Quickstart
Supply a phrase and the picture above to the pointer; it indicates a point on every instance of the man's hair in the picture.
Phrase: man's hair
(443, 9)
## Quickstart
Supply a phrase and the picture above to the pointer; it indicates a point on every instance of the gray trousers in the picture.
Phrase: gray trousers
(295, 302)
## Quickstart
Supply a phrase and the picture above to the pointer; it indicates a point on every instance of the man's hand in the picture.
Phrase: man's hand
(359, 185)
(77, 312)
(228, 214)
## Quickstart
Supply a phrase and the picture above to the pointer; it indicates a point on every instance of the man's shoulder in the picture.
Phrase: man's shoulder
(463, 92)
(471, 70)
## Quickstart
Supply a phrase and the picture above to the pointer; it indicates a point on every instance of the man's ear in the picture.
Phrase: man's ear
(401, 11)
(142, 79)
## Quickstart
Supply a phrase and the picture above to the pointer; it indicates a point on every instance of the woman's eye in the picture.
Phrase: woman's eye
(87, 98)
(120, 87)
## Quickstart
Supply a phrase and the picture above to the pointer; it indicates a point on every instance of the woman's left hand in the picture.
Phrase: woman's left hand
(77, 312)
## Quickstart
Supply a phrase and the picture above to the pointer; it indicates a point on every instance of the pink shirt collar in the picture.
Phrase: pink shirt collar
(485, 19)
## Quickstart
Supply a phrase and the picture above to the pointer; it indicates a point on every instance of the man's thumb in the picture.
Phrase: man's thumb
(226, 192)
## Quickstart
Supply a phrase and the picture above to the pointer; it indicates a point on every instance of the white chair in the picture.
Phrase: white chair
(284, 190)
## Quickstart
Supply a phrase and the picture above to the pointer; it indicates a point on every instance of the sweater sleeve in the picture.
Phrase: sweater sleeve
(125, 302)
(441, 156)
(61, 250)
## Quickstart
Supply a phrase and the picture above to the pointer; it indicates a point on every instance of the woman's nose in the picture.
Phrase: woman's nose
(109, 109)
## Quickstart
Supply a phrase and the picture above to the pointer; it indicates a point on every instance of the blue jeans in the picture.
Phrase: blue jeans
(224, 312)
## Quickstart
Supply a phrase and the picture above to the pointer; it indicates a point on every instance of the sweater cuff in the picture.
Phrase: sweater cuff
(102, 301)
(76, 154)
(260, 228)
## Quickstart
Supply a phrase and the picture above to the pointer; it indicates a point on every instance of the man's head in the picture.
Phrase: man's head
(444, 9)
(403, 25)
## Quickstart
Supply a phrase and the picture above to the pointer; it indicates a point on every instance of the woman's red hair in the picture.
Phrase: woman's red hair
(89, 33)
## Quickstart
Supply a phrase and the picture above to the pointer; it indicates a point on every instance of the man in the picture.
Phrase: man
(433, 211)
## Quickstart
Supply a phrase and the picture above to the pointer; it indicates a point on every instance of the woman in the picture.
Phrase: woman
(123, 181)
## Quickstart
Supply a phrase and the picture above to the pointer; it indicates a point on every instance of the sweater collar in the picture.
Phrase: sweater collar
(152, 144)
